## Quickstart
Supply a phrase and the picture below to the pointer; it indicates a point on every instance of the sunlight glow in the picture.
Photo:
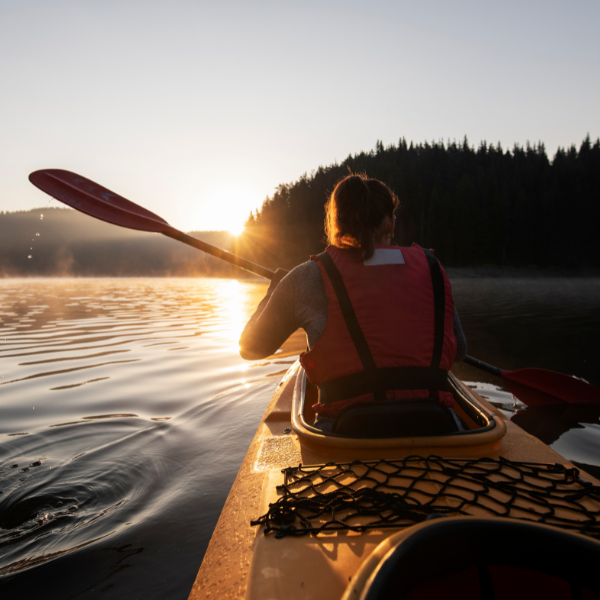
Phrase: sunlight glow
(223, 208)
(236, 228)
(231, 302)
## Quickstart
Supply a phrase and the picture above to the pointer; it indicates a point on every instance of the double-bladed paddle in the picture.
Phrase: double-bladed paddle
(539, 387)
(534, 387)
(94, 200)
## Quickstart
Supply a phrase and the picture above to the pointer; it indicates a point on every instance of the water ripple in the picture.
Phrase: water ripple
(114, 481)
(103, 462)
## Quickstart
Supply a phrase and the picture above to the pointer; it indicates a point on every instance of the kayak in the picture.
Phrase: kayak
(483, 510)
(403, 499)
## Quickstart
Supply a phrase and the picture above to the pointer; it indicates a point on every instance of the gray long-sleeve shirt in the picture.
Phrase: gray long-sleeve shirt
(299, 301)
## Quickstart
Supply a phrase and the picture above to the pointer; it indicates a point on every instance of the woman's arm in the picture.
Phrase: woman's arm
(299, 301)
(273, 321)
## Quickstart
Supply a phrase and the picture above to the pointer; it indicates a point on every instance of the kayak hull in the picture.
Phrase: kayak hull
(241, 562)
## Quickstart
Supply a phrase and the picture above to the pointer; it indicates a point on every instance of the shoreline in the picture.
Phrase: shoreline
(452, 272)
(492, 272)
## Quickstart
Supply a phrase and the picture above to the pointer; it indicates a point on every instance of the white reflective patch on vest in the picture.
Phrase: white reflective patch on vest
(385, 256)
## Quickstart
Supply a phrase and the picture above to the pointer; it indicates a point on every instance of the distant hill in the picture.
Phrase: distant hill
(67, 243)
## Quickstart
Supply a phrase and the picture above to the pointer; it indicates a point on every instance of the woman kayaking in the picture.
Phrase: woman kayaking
(380, 319)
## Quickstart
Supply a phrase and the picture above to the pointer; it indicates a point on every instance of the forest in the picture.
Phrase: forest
(482, 206)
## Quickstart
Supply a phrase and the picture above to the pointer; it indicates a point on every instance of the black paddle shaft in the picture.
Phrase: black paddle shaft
(222, 254)
(474, 362)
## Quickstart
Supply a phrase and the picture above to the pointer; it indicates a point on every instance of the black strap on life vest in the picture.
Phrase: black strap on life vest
(388, 378)
(439, 307)
(356, 333)
(377, 380)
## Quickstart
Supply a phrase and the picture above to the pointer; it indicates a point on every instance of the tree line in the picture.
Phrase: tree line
(482, 206)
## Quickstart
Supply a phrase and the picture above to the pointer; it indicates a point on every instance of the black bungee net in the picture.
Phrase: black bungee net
(359, 496)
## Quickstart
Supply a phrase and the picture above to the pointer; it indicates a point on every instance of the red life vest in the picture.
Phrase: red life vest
(389, 332)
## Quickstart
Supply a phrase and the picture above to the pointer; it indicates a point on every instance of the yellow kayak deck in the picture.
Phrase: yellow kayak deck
(242, 562)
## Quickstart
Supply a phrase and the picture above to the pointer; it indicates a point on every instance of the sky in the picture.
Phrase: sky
(198, 110)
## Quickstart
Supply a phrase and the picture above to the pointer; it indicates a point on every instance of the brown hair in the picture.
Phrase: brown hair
(355, 212)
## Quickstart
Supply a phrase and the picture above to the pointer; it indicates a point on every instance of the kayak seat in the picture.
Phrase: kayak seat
(393, 419)
(478, 559)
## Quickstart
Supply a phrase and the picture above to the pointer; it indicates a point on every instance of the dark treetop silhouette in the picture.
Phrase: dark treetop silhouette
(483, 206)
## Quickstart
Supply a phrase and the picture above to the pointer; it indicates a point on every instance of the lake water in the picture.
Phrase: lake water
(125, 412)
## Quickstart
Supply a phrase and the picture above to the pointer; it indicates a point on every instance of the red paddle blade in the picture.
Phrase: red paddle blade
(538, 387)
(94, 200)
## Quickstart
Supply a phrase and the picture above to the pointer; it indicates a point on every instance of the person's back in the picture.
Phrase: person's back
(382, 322)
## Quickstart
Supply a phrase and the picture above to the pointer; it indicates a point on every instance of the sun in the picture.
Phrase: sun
(223, 209)
(236, 228)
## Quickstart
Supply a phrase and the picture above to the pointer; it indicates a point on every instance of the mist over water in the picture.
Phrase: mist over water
(125, 412)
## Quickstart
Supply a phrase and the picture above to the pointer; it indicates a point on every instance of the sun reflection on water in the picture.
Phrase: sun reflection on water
(233, 307)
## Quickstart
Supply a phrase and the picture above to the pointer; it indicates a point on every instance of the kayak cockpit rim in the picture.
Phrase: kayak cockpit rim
(487, 427)
(480, 416)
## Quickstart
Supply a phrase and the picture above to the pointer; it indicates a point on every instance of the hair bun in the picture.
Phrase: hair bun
(355, 212)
